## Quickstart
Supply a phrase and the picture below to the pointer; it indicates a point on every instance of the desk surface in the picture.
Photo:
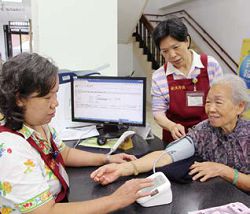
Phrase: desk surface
(186, 197)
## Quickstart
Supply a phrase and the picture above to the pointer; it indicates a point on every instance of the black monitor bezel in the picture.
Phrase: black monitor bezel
(144, 79)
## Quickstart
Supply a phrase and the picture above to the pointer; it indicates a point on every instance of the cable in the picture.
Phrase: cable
(110, 152)
(80, 138)
(165, 152)
(156, 160)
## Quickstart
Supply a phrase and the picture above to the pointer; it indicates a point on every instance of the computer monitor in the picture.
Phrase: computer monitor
(109, 100)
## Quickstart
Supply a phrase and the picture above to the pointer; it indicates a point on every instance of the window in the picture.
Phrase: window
(17, 38)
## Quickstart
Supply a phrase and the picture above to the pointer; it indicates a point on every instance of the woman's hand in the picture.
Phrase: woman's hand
(121, 158)
(177, 131)
(205, 170)
(129, 192)
(107, 174)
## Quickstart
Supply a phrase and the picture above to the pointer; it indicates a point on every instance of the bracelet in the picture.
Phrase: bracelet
(136, 172)
(107, 159)
(236, 176)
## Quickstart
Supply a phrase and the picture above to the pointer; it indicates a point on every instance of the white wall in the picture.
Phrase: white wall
(130, 59)
(142, 67)
(155, 6)
(227, 21)
(125, 59)
(129, 12)
(77, 34)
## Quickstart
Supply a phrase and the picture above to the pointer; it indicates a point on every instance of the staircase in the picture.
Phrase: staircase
(143, 35)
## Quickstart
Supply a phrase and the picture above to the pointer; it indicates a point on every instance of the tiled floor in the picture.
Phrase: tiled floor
(156, 129)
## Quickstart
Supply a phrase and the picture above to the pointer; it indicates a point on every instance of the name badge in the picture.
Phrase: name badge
(195, 98)
(64, 174)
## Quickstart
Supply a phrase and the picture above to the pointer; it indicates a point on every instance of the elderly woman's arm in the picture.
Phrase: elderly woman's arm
(180, 150)
(206, 170)
(243, 181)
(109, 173)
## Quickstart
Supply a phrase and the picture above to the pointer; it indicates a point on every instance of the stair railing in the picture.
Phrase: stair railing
(154, 55)
(143, 35)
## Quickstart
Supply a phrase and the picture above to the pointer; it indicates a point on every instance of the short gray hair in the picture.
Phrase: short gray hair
(238, 87)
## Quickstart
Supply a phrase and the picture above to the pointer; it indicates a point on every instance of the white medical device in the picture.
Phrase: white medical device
(161, 192)
(123, 137)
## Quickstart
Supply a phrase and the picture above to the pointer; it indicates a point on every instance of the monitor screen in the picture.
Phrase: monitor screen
(109, 100)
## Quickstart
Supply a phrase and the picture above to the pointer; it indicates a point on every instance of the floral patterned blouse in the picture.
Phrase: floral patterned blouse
(231, 149)
(26, 182)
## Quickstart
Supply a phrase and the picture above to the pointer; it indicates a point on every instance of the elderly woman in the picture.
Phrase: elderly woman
(32, 157)
(222, 141)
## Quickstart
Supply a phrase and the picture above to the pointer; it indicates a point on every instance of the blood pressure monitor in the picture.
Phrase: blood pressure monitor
(161, 192)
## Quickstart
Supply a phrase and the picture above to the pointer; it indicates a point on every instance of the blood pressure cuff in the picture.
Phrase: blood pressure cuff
(178, 171)
(181, 149)
(182, 154)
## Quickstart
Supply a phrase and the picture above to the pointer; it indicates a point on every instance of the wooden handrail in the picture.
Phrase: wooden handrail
(143, 35)
(210, 37)
(147, 23)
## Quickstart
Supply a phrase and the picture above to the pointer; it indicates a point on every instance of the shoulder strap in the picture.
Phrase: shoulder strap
(6, 129)
(165, 67)
(51, 160)
(203, 58)
(169, 77)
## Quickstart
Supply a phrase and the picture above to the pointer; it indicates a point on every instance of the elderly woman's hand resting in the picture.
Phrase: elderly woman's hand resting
(107, 174)
(206, 170)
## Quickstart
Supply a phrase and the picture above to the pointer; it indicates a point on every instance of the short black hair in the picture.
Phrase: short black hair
(21, 76)
(173, 27)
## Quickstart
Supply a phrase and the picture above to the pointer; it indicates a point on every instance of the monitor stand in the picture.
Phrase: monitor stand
(111, 131)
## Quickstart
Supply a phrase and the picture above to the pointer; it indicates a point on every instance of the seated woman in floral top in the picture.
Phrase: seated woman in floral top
(32, 156)
(222, 142)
